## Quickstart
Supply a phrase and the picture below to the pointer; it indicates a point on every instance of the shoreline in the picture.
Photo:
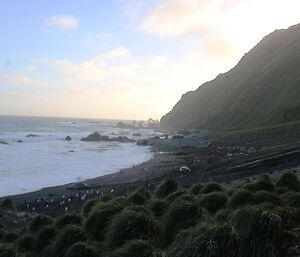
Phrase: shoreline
(165, 162)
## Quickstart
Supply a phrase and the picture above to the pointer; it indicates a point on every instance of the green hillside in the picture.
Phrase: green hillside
(262, 90)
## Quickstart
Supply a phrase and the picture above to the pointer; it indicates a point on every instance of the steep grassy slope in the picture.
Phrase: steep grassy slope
(263, 89)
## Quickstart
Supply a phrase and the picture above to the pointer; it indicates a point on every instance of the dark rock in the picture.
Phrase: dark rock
(68, 138)
(78, 186)
(123, 125)
(137, 134)
(143, 142)
(95, 137)
(3, 142)
(32, 135)
(178, 136)
(122, 139)
(20, 141)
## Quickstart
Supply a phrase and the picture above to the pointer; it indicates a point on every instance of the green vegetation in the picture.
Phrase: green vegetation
(290, 181)
(264, 86)
(38, 222)
(68, 219)
(8, 204)
(165, 188)
(211, 187)
(202, 221)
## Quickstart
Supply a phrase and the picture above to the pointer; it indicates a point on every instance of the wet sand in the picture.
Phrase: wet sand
(208, 163)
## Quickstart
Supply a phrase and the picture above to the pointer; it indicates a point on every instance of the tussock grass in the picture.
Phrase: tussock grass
(7, 250)
(165, 188)
(68, 219)
(214, 201)
(293, 199)
(239, 198)
(261, 232)
(256, 219)
(196, 188)
(290, 181)
(88, 206)
(206, 241)
(158, 207)
(263, 183)
(129, 225)
(7, 203)
(100, 218)
(44, 237)
(136, 248)
(211, 187)
(38, 222)
(181, 215)
(81, 249)
(10, 237)
(68, 236)
(25, 242)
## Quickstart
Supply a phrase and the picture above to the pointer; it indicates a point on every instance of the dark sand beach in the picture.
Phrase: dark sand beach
(226, 162)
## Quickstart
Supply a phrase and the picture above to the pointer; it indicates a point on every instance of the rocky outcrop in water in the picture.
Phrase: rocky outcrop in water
(97, 137)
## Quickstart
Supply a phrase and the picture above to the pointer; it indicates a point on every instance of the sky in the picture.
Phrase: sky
(123, 59)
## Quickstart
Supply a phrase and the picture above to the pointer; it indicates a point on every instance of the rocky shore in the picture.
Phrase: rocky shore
(203, 156)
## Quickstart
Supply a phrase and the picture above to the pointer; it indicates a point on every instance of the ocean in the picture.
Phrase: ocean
(47, 159)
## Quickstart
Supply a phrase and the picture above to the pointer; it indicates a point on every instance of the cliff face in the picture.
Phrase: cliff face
(263, 89)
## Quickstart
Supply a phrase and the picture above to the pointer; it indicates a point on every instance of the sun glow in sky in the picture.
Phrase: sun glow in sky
(127, 59)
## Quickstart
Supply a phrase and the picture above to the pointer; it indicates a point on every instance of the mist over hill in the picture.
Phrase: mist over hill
(262, 89)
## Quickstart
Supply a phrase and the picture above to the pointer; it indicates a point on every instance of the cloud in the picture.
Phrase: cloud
(118, 53)
(132, 8)
(179, 17)
(224, 28)
(64, 22)
(24, 81)
(116, 85)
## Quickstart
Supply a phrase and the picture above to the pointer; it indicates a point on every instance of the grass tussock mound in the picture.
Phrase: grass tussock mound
(10, 237)
(202, 221)
(44, 237)
(7, 250)
(88, 206)
(261, 232)
(263, 183)
(158, 207)
(136, 248)
(131, 224)
(214, 201)
(8, 204)
(260, 197)
(68, 219)
(181, 215)
(240, 197)
(206, 241)
(165, 188)
(290, 181)
(81, 249)
(293, 199)
(100, 218)
(39, 222)
(196, 188)
(211, 187)
(68, 236)
(25, 243)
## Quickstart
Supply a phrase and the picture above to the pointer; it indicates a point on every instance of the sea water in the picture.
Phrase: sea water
(29, 163)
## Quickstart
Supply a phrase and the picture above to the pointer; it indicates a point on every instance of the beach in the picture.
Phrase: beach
(210, 161)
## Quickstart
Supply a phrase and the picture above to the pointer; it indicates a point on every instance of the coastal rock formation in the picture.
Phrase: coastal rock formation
(96, 137)
(31, 135)
(262, 89)
(3, 142)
